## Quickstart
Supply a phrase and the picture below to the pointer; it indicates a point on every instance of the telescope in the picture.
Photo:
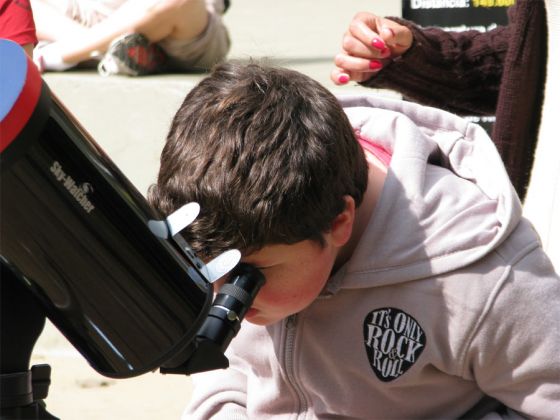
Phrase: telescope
(79, 244)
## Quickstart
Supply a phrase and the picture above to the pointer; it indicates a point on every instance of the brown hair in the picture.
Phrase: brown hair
(267, 152)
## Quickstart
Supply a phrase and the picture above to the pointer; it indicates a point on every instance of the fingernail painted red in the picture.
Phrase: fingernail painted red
(343, 78)
(375, 65)
(379, 44)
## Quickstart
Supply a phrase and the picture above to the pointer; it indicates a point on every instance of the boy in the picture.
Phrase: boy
(401, 280)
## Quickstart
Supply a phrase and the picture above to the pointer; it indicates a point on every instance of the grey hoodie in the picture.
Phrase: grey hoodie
(447, 297)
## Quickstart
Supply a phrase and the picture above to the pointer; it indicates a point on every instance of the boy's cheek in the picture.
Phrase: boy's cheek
(273, 298)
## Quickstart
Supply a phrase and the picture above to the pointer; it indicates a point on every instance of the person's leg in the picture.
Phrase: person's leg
(205, 50)
(157, 20)
(52, 24)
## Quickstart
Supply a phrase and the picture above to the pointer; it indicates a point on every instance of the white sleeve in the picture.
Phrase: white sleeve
(218, 394)
(515, 353)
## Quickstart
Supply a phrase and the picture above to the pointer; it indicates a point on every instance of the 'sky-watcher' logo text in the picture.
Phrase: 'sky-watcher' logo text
(79, 192)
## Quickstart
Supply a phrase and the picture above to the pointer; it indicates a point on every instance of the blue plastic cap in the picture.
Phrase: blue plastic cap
(13, 74)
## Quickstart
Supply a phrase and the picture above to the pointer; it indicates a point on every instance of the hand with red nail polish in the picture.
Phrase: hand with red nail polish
(367, 46)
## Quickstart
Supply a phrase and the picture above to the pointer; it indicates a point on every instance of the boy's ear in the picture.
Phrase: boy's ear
(341, 226)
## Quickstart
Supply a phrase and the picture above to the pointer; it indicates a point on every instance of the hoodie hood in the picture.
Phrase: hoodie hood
(447, 200)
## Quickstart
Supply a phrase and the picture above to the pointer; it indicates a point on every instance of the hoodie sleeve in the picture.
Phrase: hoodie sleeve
(514, 353)
(456, 71)
(218, 394)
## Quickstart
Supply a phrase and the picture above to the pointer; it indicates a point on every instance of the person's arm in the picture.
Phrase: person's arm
(218, 394)
(222, 394)
(458, 71)
(513, 355)
(226, 394)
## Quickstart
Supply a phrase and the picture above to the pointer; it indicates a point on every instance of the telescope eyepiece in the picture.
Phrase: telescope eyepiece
(239, 291)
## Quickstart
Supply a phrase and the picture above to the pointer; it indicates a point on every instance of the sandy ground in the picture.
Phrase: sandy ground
(78, 392)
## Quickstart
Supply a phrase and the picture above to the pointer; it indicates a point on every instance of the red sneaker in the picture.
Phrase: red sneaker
(132, 55)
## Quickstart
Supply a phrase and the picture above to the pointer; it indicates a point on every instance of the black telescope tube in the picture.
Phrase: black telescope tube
(75, 235)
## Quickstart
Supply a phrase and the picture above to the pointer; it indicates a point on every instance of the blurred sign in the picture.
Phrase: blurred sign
(459, 15)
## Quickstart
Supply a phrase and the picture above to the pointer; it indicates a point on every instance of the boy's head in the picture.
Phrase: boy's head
(269, 155)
